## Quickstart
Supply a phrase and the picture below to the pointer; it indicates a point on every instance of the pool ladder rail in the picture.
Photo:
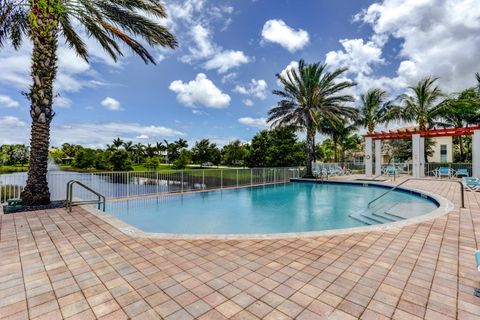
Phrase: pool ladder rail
(100, 202)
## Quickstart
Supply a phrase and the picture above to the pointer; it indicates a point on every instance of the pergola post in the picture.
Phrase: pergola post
(422, 158)
(378, 157)
(416, 155)
(476, 153)
(368, 156)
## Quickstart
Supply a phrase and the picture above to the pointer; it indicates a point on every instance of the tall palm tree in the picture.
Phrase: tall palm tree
(424, 103)
(309, 91)
(376, 109)
(110, 22)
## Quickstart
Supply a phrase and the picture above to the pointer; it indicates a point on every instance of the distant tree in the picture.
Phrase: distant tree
(175, 148)
(120, 160)
(204, 151)
(183, 160)
(278, 147)
(233, 154)
(84, 158)
(152, 163)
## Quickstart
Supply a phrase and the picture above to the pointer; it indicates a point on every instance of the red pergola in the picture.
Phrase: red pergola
(418, 146)
(432, 133)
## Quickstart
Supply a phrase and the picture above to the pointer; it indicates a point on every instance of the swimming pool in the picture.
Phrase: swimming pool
(281, 208)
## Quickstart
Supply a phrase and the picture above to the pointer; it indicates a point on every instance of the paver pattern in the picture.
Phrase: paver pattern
(56, 265)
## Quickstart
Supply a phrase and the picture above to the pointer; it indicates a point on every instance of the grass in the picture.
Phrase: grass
(12, 169)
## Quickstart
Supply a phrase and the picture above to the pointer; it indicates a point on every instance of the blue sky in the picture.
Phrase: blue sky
(218, 83)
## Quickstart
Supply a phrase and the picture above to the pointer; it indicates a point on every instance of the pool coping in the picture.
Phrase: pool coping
(444, 207)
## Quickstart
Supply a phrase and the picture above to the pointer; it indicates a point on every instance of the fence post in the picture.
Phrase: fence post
(264, 178)
(251, 177)
(237, 177)
(182, 181)
(221, 178)
(128, 184)
(274, 175)
(285, 175)
(156, 181)
(203, 179)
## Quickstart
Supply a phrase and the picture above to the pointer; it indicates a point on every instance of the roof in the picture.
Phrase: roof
(406, 133)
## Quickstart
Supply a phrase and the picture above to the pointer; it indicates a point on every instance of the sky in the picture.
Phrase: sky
(218, 83)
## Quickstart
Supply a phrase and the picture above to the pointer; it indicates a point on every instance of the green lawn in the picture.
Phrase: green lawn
(11, 169)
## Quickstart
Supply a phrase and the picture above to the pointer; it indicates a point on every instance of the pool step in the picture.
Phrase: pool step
(376, 217)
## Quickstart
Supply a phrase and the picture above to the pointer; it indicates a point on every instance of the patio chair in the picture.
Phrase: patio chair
(471, 184)
(443, 172)
(390, 170)
(462, 172)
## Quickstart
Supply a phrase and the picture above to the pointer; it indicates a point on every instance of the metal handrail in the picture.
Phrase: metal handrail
(69, 198)
(421, 179)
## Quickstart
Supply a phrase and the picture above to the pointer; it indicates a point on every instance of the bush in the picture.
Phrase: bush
(183, 160)
(120, 160)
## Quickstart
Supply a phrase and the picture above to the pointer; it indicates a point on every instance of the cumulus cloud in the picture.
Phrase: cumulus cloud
(248, 102)
(13, 130)
(226, 60)
(256, 88)
(200, 92)
(357, 55)
(259, 123)
(111, 104)
(440, 37)
(8, 102)
(202, 44)
(277, 31)
(62, 102)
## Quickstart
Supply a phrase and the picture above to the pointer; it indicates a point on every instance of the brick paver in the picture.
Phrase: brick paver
(55, 265)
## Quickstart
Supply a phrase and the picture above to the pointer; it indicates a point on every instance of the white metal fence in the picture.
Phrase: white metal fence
(129, 184)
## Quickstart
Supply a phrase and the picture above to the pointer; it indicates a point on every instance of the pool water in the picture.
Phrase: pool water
(281, 208)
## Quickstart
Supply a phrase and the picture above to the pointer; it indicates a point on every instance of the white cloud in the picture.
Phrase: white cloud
(203, 48)
(200, 91)
(248, 102)
(440, 37)
(111, 104)
(229, 77)
(259, 123)
(356, 55)
(227, 60)
(256, 88)
(277, 31)
(13, 130)
(62, 102)
(8, 102)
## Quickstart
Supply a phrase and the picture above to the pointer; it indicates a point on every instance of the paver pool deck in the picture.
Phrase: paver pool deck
(55, 265)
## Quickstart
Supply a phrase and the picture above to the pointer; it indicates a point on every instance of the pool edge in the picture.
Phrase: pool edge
(444, 207)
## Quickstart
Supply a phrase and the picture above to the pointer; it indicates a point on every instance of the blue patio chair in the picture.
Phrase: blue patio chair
(390, 170)
(462, 172)
(444, 172)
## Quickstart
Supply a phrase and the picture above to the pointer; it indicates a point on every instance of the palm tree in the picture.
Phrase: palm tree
(376, 109)
(424, 104)
(110, 22)
(309, 92)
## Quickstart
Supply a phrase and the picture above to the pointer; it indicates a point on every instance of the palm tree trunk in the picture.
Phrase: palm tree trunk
(44, 32)
(309, 151)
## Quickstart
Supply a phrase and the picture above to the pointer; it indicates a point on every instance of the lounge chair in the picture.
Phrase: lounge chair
(471, 184)
(462, 172)
(390, 170)
(443, 172)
